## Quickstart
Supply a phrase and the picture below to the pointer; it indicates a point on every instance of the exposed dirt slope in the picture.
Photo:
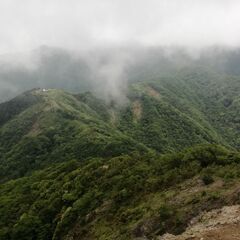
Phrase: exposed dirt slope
(220, 224)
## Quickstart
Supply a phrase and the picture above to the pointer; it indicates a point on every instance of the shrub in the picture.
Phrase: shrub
(207, 179)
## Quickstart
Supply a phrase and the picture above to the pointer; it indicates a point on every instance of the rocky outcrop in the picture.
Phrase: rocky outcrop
(219, 224)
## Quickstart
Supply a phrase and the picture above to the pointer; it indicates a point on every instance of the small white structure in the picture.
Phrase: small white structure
(44, 90)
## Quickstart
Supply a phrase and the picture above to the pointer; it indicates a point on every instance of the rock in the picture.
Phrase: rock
(167, 236)
(219, 223)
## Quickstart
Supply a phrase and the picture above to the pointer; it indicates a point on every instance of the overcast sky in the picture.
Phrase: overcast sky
(81, 24)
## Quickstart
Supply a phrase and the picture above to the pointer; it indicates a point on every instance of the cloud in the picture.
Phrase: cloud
(101, 45)
(84, 24)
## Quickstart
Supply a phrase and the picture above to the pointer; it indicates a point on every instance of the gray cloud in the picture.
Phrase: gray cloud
(104, 71)
(82, 45)
(81, 24)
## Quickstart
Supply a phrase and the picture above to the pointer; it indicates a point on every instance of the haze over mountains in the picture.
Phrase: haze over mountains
(102, 47)
(119, 120)
(105, 72)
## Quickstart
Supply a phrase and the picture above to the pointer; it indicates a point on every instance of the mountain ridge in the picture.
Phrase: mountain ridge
(75, 166)
(164, 115)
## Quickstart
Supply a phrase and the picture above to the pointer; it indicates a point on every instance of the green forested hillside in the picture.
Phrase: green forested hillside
(73, 166)
(188, 107)
(58, 128)
(119, 198)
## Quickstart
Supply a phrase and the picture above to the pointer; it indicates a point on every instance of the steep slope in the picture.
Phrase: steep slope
(165, 123)
(188, 107)
(57, 128)
(218, 224)
(193, 105)
(120, 198)
(74, 166)
(15, 106)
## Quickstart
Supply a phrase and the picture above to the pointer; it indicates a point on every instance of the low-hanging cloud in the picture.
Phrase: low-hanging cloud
(82, 45)
(85, 24)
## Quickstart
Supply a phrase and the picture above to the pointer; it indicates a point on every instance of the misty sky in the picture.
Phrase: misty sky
(83, 24)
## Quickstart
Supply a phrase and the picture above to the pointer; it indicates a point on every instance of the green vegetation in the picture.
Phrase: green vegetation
(56, 129)
(124, 192)
(75, 165)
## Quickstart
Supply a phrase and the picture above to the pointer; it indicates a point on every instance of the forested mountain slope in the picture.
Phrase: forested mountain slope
(195, 102)
(73, 166)
(57, 128)
(189, 107)
(124, 197)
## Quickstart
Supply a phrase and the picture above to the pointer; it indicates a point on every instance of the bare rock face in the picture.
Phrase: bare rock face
(219, 224)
